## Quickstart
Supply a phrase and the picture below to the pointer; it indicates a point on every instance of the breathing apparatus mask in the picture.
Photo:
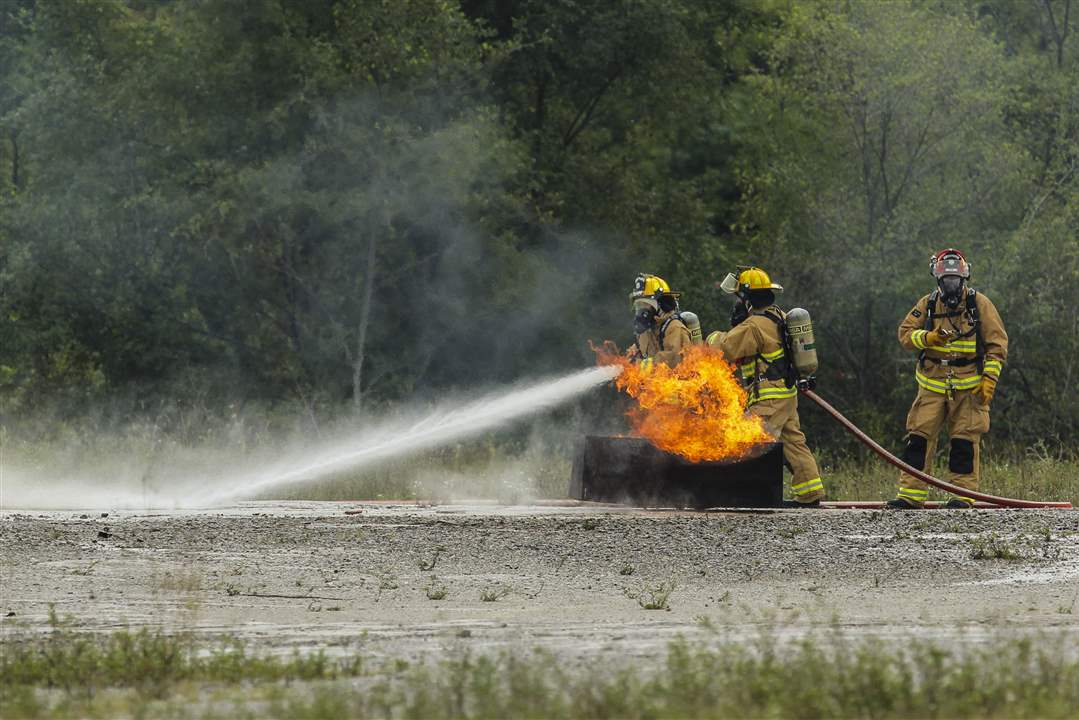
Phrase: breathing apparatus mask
(951, 290)
(644, 315)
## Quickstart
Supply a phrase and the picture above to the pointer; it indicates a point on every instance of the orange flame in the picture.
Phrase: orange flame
(694, 409)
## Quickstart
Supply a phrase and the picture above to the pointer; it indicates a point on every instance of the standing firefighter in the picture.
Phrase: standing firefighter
(756, 343)
(961, 346)
(661, 331)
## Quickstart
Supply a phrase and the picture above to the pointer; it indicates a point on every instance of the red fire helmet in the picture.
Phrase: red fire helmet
(949, 262)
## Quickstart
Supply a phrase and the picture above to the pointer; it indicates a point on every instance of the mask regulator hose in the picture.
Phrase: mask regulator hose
(925, 477)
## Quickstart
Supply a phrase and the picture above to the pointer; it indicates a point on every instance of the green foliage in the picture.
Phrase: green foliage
(1005, 677)
(338, 203)
(151, 662)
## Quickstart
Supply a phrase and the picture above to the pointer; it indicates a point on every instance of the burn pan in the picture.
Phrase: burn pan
(632, 471)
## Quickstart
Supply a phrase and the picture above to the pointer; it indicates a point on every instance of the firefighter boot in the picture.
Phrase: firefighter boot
(812, 504)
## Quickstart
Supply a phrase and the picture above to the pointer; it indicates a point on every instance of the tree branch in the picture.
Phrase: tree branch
(584, 115)
(1060, 35)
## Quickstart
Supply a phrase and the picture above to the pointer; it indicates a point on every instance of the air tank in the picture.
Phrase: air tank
(693, 324)
(804, 350)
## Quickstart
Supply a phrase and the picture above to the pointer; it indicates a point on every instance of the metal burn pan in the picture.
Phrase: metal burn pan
(632, 471)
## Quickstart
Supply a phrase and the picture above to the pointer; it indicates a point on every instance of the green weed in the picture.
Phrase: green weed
(994, 547)
(151, 674)
(494, 593)
(435, 589)
(150, 662)
(655, 597)
(1009, 472)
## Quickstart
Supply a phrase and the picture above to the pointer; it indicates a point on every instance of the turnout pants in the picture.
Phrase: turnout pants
(967, 421)
(780, 416)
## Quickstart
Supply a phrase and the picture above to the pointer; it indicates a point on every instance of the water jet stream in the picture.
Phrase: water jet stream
(437, 428)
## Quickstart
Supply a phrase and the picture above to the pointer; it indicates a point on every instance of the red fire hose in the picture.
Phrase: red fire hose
(924, 477)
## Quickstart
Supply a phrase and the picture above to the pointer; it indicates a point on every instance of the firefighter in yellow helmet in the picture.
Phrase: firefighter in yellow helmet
(962, 346)
(660, 334)
(755, 344)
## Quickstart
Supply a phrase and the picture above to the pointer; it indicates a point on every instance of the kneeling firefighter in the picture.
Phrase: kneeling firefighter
(961, 345)
(766, 344)
(661, 329)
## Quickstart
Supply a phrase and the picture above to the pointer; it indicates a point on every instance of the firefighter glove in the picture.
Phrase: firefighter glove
(938, 337)
(984, 392)
(647, 363)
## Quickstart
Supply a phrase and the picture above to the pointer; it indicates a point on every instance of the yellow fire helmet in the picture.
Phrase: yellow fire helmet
(756, 279)
(650, 286)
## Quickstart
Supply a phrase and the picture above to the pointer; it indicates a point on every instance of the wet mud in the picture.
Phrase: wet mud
(411, 581)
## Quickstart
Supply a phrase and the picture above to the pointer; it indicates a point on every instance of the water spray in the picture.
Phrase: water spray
(438, 428)
(451, 421)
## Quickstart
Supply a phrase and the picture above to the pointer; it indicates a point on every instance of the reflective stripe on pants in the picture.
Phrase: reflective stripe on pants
(966, 418)
(780, 416)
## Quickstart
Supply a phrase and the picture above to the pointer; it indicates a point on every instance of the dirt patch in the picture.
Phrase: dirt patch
(408, 580)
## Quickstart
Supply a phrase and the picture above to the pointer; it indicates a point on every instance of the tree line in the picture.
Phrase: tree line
(341, 204)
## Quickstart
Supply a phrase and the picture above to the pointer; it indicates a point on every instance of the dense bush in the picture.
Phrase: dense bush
(338, 203)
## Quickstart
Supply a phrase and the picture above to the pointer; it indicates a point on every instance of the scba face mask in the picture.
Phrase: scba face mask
(951, 290)
(644, 316)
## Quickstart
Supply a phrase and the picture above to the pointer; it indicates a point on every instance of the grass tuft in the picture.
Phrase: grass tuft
(494, 593)
(71, 674)
(1007, 472)
(994, 547)
(436, 590)
(655, 597)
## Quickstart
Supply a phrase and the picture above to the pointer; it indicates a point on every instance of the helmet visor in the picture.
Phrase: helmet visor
(951, 264)
(641, 304)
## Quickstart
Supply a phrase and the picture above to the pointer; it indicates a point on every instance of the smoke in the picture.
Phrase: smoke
(465, 296)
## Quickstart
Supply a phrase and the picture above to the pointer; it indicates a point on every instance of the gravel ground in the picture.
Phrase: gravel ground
(572, 579)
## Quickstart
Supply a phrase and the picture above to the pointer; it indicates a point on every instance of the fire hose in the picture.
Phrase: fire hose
(925, 477)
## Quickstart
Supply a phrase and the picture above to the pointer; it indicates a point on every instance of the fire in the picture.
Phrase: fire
(694, 409)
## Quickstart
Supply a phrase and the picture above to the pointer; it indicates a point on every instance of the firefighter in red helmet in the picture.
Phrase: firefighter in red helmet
(962, 346)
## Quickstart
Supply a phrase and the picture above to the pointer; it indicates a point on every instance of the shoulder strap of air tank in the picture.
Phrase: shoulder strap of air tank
(972, 303)
(665, 325)
(930, 315)
(931, 309)
(779, 320)
(976, 321)
(972, 313)
(779, 368)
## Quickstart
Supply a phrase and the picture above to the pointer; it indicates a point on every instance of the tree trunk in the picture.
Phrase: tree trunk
(365, 319)
(16, 171)
(867, 350)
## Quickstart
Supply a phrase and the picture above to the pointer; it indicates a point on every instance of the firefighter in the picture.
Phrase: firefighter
(755, 343)
(661, 335)
(962, 346)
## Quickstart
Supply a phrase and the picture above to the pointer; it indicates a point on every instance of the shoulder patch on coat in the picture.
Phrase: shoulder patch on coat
(916, 312)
